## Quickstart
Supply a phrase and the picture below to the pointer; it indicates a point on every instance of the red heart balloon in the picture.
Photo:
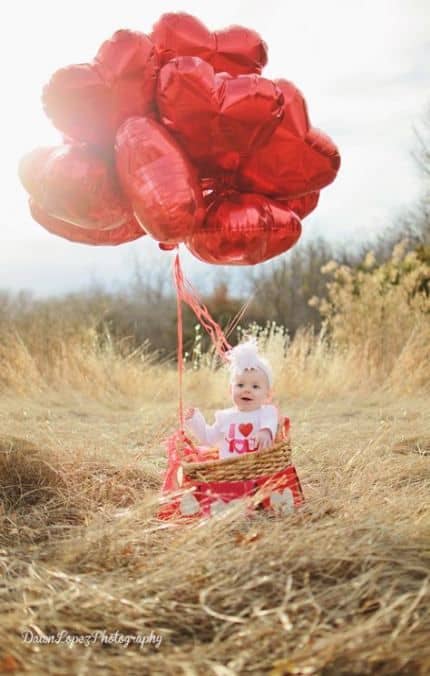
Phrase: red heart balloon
(159, 180)
(235, 50)
(244, 229)
(302, 206)
(30, 168)
(296, 159)
(220, 183)
(296, 116)
(75, 184)
(127, 232)
(218, 119)
(88, 102)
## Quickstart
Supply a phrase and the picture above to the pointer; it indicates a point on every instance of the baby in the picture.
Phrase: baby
(251, 424)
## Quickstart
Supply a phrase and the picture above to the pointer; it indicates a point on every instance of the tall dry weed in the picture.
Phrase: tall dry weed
(377, 317)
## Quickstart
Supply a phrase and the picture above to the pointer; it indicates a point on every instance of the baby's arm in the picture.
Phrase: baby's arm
(268, 429)
(206, 434)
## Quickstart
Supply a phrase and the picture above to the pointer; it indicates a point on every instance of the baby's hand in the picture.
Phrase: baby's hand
(263, 439)
(189, 413)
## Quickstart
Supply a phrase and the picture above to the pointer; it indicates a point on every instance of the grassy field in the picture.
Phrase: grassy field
(92, 583)
(341, 587)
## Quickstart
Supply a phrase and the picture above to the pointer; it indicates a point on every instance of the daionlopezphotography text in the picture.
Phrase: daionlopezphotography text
(215, 340)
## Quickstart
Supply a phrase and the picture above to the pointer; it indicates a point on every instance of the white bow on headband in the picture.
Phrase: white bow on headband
(245, 356)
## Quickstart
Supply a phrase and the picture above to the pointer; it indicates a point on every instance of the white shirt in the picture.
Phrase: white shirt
(234, 431)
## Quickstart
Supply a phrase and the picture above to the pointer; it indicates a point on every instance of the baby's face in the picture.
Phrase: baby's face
(250, 389)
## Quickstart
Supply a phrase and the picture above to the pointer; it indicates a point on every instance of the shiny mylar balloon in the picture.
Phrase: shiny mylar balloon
(89, 101)
(297, 159)
(121, 234)
(178, 134)
(303, 206)
(235, 50)
(218, 119)
(75, 184)
(244, 229)
(159, 180)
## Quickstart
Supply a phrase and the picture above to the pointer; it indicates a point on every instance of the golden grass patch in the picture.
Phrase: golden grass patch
(340, 587)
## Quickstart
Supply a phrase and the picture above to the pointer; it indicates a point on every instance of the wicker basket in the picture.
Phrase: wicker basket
(243, 467)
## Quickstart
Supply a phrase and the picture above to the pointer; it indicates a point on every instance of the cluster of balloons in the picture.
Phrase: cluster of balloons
(178, 135)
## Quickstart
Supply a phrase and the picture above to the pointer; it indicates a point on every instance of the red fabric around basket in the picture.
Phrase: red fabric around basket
(280, 492)
(285, 479)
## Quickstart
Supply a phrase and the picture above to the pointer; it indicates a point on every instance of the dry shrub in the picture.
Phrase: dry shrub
(379, 315)
(376, 332)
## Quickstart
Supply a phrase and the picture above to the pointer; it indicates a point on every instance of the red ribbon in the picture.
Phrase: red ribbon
(187, 294)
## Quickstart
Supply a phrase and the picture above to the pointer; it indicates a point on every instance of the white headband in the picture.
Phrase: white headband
(245, 356)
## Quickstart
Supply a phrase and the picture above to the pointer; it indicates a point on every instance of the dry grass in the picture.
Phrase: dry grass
(339, 588)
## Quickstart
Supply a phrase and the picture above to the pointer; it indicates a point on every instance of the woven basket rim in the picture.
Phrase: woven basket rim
(245, 458)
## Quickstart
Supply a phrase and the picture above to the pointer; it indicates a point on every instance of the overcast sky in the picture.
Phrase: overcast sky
(362, 66)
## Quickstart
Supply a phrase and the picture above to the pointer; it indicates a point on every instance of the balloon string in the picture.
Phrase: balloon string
(177, 266)
(186, 293)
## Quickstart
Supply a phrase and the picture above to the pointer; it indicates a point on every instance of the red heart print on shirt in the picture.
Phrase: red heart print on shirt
(246, 429)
